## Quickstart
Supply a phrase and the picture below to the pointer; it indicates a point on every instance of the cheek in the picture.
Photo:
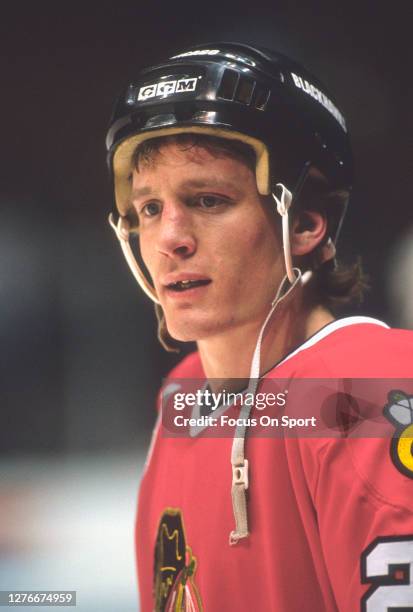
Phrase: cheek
(266, 263)
(248, 255)
(261, 246)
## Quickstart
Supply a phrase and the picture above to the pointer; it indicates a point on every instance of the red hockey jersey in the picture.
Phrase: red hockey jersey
(331, 520)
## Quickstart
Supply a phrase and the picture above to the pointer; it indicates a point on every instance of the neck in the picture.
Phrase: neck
(229, 355)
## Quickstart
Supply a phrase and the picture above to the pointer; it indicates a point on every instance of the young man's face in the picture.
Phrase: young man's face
(201, 219)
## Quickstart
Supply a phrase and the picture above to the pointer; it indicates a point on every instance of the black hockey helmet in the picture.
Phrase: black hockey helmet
(240, 92)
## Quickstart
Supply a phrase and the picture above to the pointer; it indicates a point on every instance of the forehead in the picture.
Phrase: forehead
(176, 163)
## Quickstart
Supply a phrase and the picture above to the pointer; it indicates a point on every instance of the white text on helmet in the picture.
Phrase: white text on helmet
(231, 56)
(318, 95)
(197, 52)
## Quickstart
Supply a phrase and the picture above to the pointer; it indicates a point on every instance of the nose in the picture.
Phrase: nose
(176, 237)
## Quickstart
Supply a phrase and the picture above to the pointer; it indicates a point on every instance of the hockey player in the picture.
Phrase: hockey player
(233, 166)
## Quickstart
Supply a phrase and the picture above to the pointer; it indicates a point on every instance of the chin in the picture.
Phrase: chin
(192, 329)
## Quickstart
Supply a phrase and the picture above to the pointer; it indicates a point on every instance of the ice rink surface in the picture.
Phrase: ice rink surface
(68, 524)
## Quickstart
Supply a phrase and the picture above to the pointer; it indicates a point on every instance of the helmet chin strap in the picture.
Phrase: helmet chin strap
(239, 464)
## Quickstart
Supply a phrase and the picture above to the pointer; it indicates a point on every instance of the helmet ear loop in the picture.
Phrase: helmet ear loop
(122, 231)
(328, 249)
(283, 204)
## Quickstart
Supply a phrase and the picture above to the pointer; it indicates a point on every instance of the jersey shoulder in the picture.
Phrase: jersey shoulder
(368, 459)
(353, 348)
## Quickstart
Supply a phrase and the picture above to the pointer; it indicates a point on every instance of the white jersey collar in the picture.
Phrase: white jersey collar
(331, 328)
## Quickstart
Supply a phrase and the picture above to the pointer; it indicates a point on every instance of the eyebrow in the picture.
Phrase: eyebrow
(210, 183)
(142, 191)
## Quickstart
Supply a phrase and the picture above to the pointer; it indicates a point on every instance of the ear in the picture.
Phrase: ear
(308, 229)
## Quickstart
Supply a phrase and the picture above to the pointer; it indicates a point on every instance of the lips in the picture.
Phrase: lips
(187, 284)
(182, 282)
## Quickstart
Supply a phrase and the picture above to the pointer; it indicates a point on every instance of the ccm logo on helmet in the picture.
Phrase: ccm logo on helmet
(318, 95)
(166, 88)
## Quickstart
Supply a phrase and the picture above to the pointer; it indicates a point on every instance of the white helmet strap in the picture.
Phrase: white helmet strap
(122, 231)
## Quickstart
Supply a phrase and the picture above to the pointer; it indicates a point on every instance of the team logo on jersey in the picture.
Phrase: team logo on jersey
(399, 411)
(175, 566)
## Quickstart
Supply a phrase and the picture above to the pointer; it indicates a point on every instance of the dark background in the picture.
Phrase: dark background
(79, 362)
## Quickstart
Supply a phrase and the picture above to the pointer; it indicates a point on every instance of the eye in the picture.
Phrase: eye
(211, 201)
(150, 209)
